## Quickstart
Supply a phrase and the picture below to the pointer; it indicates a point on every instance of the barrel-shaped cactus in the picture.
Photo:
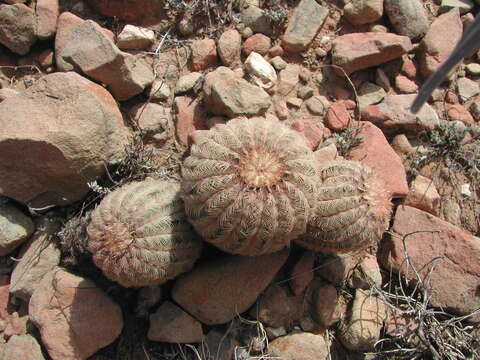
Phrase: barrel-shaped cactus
(249, 186)
(352, 211)
(139, 234)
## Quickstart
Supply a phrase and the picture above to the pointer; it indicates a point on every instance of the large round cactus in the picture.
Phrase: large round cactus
(352, 212)
(249, 186)
(139, 234)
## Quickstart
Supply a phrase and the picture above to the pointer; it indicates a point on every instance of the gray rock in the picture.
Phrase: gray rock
(22, 347)
(467, 89)
(304, 24)
(55, 137)
(361, 330)
(464, 6)
(227, 94)
(17, 28)
(382, 79)
(305, 92)
(408, 17)
(38, 257)
(318, 105)
(370, 93)
(255, 19)
(159, 90)
(173, 325)
(91, 51)
(278, 63)
(15, 228)
(362, 12)
(187, 82)
(152, 119)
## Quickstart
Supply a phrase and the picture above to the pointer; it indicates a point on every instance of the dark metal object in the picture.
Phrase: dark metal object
(467, 45)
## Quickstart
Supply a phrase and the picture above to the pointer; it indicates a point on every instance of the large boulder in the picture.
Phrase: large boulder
(444, 256)
(227, 94)
(303, 26)
(17, 28)
(359, 51)
(95, 54)
(57, 136)
(15, 228)
(408, 17)
(215, 292)
(74, 317)
(439, 42)
(37, 257)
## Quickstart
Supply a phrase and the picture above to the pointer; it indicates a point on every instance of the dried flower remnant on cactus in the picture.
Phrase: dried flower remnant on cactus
(249, 186)
(352, 212)
(139, 234)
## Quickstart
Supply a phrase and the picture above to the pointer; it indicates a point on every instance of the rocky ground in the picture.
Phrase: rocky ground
(95, 94)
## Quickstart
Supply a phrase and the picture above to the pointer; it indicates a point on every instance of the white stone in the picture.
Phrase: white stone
(134, 37)
(261, 72)
(465, 190)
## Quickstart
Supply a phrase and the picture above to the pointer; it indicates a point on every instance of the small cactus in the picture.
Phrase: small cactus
(249, 186)
(139, 235)
(352, 212)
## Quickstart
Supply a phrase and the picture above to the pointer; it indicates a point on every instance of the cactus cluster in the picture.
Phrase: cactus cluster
(352, 211)
(250, 186)
(139, 234)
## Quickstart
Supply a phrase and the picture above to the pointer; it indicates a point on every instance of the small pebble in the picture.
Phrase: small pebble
(305, 92)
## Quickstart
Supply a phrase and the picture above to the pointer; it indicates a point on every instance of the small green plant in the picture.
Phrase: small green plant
(447, 142)
(277, 14)
(346, 140)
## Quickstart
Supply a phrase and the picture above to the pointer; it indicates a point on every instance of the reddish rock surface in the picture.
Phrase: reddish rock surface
(130, 10)
(423, 195)
(460, 113)
(74, 317)
(455, 278)
(171, 324)
(337, 117)
(393, 115)
(65, 24)
(55, 137)
(304, 346)
(259, 43)
(404, 85)
(46, 12)
(302, 273)
(204, 54)
(276, 307)
(439, 42)
(17, 28)
(359, 51)
(229, 47)
(375, 152)
(311, 132)
(191, 116)
(215, 292)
